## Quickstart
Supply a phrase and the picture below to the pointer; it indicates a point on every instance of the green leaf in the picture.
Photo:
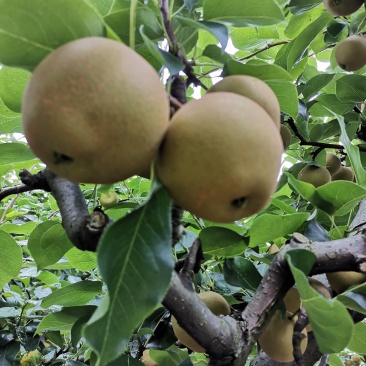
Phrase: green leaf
(358, 341)
(275, 76)
(12, 84)
(76, 294)
(47, 243)
(14, 153)
(301, 6)
(351, 88)
(299, 45)
(315, 84)
(334, 198)
(29, 31)
(220, 31)
(64, 319)
(119, 21)
(81, 259)
(237, 13)
(328, 104)
(11, 258)
(353, 154)
(241, 272)
(173, 64)
(9, 120)
(221, 242)
(136, 263)
(269, 227)
(329, 319)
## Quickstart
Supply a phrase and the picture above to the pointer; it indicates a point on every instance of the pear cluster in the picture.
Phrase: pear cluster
(94, 111)
(319, 175)
(210, 156)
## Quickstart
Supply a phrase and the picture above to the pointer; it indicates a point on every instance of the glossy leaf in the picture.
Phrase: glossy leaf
(137, 274)
(10, 259)
(29, 31)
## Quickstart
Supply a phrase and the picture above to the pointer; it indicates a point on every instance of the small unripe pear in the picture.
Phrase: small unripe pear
(350, 53)
(108, 200)
(315, 175)
(342, 7)
(333, 163)
(286, 136)
(344, 173)
(273, 249)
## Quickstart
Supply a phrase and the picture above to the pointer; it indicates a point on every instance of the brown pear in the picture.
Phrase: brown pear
(221, 157)
(344, 173)
(253, 88)
(315, 175)
(350, 53)
(95, 111)
(342, 7)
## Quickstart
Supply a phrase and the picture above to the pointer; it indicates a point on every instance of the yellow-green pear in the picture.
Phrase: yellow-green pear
(342, 280)
(276, 339)
(350, 53)
(344, 173)
(315, 175)
(333, 163)
(218, 306)
(286, 136)
(108, 200)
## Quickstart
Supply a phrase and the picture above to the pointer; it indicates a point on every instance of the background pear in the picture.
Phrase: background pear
(221, 157)
(342, 280)
(342, 7)
(315, 175)
(146, 359)
(333, 163)
(350, 53)
(276, 340)
(286, 136)
(344, 173)
(254, 89)
(93, 123)
(216, 303)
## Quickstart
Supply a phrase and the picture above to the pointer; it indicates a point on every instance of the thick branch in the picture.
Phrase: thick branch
(83, 229)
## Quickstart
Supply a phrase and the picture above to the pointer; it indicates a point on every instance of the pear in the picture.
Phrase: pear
(286, 136)
(342, 280)
(344, 173)
(350, 53)
(95, 111)
(342, 7)
(333, 163)
(315, 175)
(254, 89)
(276, 339)
(221, 157)
(216, 303)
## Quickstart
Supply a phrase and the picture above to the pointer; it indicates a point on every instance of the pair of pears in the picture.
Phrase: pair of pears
(95, 111)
